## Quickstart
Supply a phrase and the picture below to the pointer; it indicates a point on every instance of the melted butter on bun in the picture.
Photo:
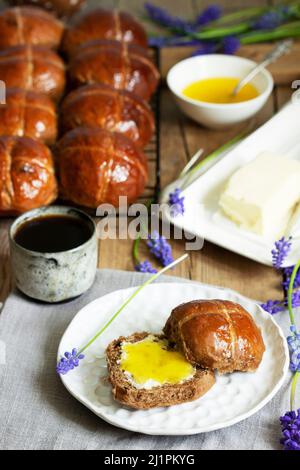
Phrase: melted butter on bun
(150, 362)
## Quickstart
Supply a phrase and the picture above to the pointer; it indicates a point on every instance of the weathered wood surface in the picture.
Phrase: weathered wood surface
(284, 71)
(180, 138)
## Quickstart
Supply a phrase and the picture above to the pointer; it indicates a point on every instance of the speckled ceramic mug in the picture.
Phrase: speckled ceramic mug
(54, 277)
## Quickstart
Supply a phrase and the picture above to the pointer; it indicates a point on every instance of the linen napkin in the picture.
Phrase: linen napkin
(37, 412)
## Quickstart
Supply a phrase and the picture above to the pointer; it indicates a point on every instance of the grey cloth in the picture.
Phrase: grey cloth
(37, 412)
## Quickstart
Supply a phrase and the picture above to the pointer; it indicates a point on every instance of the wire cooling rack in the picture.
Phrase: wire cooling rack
(152, 151)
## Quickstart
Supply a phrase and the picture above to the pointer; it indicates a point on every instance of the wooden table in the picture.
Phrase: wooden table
(180, 138)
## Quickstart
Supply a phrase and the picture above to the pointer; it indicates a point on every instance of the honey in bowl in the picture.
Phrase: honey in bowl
(219, 91)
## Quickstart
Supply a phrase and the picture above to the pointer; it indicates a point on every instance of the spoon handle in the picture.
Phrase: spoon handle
(282, 48)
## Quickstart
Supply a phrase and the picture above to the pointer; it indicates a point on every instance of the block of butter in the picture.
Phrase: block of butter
(262, 195)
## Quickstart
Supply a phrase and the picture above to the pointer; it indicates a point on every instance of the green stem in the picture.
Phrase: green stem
(136, 243)
(135, 293)
(213, 155)
(292, 320)
(265, 36)
(246, 14)
(290, 293)
(293, 390)
(135, 250)
(291, 25)
(218, 33)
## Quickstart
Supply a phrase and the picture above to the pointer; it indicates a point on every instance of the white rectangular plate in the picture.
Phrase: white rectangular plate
(202, 217)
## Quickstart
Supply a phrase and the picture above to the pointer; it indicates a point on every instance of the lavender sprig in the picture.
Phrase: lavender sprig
(249, 26)
(287, 273)
(206, 48)
(145, 267)
(169, 41)
(276, 306)
(164, 18)
(230, 45)
(274, 18)
(209, 14)
(69, 361)
(294, 347)
(290, 424)
(281, 251)
(176, 202)
(160, 248)
(273, 306)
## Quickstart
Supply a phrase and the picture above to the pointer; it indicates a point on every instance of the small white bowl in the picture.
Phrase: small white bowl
(215, 115)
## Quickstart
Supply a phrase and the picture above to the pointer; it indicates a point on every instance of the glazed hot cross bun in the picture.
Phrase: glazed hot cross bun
(216, 334)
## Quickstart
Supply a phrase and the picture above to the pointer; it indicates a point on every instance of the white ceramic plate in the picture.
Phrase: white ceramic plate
(233, 398)
(202, 217)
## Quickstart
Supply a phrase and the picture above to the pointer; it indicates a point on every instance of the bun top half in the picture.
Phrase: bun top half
(216, 334)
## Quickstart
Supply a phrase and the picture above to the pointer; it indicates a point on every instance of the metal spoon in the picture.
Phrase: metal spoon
(282, 48)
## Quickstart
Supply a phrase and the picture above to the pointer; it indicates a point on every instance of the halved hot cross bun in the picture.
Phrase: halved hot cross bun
(217, 334)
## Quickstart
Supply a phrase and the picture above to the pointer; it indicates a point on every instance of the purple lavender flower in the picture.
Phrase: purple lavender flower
(290, 425)
(206, 48)
(270, 20)
(287, 273)
(273, 306)
(160, 248)
(168, 41)
(158, 41)
(211, 13)
(145, 267)
(231, 44)
(280, 252)
(176, 201)
(163, 17)
(276, 306)
(294, 347)
(68, 362)
(295, 299)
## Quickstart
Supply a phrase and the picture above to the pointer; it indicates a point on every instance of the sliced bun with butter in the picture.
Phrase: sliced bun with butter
(201, 336)
(217, 334)
(167, 380)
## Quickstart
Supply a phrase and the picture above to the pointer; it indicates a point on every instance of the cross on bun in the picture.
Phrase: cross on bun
(98, 166)
(27, 178)
(34, 68)
(216, 334)
(104, 24)
(60, 7)
(29, 25)
(115, 110)
(120, 65)
(27, 113)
